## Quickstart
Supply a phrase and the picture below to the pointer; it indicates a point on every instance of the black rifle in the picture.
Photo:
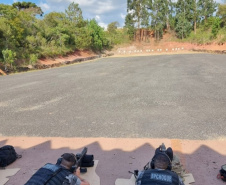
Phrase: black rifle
(78, 163)
(73, 168)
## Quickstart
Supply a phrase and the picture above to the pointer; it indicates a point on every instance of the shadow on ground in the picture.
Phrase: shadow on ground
(204, 163)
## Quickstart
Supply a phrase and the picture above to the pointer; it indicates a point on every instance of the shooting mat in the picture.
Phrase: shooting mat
(91, 175)
(6, 173)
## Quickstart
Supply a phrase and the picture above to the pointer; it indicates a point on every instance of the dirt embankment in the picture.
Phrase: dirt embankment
(77, 56)
(168, 47)
(2, 72)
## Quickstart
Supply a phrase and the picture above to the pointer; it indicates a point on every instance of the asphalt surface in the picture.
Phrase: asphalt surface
(171, 96)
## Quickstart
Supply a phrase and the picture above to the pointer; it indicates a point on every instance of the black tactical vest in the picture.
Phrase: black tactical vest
(54, 174)
(157, 177)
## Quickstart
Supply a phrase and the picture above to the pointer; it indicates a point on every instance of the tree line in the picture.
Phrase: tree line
(181, 17)
(26, 36)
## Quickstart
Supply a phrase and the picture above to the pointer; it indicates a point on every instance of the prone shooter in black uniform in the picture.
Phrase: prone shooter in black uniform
(158, 170)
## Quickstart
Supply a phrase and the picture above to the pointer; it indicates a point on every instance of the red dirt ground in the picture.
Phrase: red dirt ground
(170, 45)
(75, 55)
(2, 72)
(166, 43)
(190, 46)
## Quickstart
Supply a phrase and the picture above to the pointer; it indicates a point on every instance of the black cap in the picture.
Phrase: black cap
(69, 157)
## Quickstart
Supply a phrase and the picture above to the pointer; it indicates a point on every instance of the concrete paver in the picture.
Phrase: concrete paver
(118, 156)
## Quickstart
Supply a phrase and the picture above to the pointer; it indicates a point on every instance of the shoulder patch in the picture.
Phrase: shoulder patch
(161, 177)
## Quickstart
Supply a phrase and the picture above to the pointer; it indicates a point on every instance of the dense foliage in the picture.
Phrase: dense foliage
(25, 36)
(183, 17)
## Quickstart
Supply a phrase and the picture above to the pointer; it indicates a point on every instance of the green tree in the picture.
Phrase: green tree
(11, 27)
(83, 40)
(55, 28)
(9, 58)
(57, 34)
(129, 25)
(15, 27)
(190, 10)
(7, 11)
(112, 27)
(138, 12)
(159, 17)
(33, 59)
(116, 35)
(137, 9)
(79, 30)
(170, 22)
(112, 32)
(207, 8)
(98, 37)
(183, 27)
(185, 8)
(216, 26)
(6, 35)
(222, 13)
(29, 7)
(194, 14)
(74, 14)
(185, 17)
